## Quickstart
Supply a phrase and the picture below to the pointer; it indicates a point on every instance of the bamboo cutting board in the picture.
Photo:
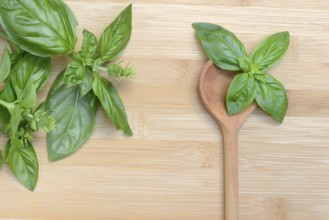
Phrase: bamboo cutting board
(171, 169)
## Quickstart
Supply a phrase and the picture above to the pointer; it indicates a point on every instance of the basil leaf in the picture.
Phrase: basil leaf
(4, 65)
(15, 119)
(270, 50)
(23, 162)
(116, 36)
(29, 96)
(32, 68)
(74, 116)
(220, 45)
(74, 73)
(86, 85)
(8, 95)
(271, 96)
(245, 64)
(42, 28)
(89, 44)
(240, 93)
(112, 104)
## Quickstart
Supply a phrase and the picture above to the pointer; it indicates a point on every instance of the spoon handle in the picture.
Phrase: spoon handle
(231, 187)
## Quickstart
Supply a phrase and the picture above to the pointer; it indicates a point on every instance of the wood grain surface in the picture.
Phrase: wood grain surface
(171, 169)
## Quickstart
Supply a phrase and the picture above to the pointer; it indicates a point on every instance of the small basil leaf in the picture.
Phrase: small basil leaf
(116, 36)
(220, 45)
(74, 74)
(8, 95)
(42, 119)
(4, 65)
(23, 162)
(86, 85)
(29, 96)
(240, 93)
(74, 116)
(15, 119)
(245, 63)
(42, 28)
(271, 96)
(270, 50)
(117, 70)
(89, 44)
(112, 104)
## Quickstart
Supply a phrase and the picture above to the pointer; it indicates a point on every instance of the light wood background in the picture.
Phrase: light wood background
(171, 169)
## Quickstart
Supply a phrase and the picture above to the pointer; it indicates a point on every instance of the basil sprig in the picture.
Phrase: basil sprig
(19, 115)
(77, 92)
(226, 51)
(36, 30)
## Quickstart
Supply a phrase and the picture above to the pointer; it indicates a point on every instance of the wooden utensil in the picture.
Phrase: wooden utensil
(213, 86)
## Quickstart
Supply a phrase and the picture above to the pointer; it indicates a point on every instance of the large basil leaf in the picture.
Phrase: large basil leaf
(75, 119)
(240, 93)
(220, 45)
(23, 162)
(269, 51)
(112, 104)
(43, 28)
(116, 36)
(271, 96)
(4, 65)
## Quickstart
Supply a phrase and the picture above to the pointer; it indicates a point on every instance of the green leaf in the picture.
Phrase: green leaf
(240, 93)
(245, 64)
(270, 50)
(74, 116)
(7, 95)
(43, 119)
(15, 119)
(271, 96)
(23, 162)
(112, 104)
(89, 44)
(30, 68)
(42, 28)
(29, 96)
(116, 36)
(116, 69)
(74, 74)
(220, 45)
(87, 83)
(4, 65)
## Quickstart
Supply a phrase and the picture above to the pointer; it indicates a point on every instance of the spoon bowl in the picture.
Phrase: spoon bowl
(213, 86)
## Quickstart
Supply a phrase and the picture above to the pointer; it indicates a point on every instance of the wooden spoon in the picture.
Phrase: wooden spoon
(213, 86)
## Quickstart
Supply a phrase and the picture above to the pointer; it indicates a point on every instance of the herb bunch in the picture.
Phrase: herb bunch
(226, 51)
(37, 30)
